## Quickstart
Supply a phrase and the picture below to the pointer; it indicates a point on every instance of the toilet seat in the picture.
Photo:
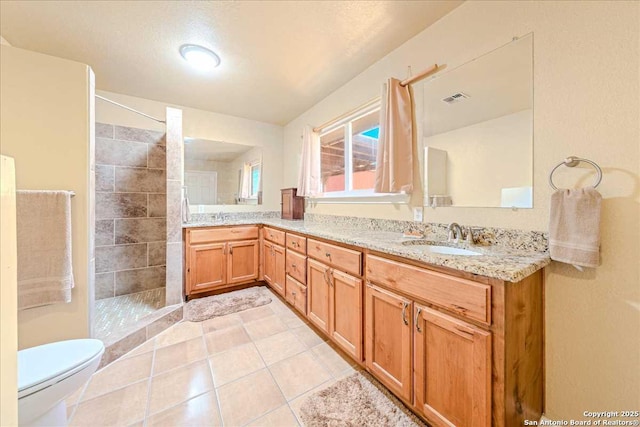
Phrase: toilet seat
(42, 366)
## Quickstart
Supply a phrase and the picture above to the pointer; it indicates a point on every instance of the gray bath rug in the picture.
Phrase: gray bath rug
(355, 401)
(200, 309)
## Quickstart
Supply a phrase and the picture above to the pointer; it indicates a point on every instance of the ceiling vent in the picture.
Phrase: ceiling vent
(456, 97)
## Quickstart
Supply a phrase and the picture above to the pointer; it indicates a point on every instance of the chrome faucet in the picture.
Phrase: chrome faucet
(455, 232)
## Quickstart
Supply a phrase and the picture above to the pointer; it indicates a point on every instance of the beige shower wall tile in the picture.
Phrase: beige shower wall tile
(156, 156)
(105, 178)
(157, 253)
(122, 257)
(139, 135)
(132, 281)
(174, 211)
(139, 230)
(105, 285)
(157, 205)
(104, 130)
(120, 205)
(140, 180)
(120, 153)
(104, 232)
(174, 273)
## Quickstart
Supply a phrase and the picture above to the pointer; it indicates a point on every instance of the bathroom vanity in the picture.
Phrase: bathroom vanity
(458, 347)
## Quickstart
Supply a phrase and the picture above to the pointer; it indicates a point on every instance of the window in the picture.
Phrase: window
(255, 180)
(348, 155)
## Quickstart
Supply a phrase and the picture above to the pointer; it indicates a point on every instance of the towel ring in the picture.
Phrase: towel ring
(572, 161)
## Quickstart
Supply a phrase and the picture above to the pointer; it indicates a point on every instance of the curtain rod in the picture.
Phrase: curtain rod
(411, 80)
(130, 109)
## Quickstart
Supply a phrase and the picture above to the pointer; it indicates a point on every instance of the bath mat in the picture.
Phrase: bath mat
(201, 309)
(357, 400)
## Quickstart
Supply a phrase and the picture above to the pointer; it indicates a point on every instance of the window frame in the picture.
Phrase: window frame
(349, 195)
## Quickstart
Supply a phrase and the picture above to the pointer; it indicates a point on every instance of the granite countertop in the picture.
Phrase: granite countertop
(497, 262)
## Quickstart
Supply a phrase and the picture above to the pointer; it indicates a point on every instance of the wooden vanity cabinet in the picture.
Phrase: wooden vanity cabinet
(274, 266)
(388, 339)
(220, 257)
(334, 296)
(452, 366)
(296, 271)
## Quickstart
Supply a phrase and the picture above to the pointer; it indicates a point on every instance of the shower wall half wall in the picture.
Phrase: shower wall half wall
(131, 230)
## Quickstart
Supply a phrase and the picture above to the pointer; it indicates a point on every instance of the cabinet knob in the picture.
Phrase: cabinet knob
(293, 266)
(293, 293)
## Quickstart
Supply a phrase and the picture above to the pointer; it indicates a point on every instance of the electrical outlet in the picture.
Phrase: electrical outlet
(417, 214)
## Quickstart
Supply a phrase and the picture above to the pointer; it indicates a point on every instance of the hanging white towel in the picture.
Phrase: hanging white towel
(574, 226)
(45, 274)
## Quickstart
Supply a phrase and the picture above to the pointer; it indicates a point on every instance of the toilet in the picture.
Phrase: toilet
(48, 374)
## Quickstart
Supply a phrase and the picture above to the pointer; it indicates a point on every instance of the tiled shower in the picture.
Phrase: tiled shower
(131, 226)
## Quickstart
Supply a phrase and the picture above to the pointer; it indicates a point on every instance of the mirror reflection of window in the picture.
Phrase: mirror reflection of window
(213, 173)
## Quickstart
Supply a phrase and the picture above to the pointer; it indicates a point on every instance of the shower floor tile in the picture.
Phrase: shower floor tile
(117, 313)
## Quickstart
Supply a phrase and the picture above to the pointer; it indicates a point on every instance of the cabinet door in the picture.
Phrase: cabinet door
(452, 370)
(269, 263)
(242, 261)
(318, 294)
(207, 266)
(279, 275)
(388, 339)
(345, 302)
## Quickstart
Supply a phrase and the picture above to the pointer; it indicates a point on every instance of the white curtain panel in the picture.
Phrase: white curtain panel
(309, 179)
(245, 180)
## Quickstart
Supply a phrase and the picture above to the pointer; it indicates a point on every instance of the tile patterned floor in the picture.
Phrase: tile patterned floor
(252, 368)
(117, 313)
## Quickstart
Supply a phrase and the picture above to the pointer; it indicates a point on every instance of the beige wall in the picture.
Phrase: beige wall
(45, 105)
(212, 126)
(8, 296)
(485, 157)
(586, 103)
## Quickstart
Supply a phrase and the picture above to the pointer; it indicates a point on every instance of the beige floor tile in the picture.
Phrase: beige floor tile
(199, 411)
(255, 313)
(218, 323)
(299, 374)
(333, 359)
(141, 349)
(226, 339)
(179, 385)
(265, 327)
(249, 398)
(291, 319)
(119, 408)
(119, 374)
(308, 336)
(281, 417)
(280, 346)
(182, 353)
(182, 331)
(235, 363)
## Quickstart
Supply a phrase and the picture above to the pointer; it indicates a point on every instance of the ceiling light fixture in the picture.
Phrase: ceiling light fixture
(199, 57)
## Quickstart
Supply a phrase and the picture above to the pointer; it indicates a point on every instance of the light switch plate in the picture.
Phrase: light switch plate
(417, 214)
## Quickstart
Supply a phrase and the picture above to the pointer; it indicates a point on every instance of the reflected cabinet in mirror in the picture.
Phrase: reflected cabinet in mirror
(478, 131)
(222, 173)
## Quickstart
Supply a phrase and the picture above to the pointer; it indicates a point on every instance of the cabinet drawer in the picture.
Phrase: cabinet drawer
(297, 266)
(223, 234)
(297, 243)
(345, 259)
(296, 294)
(273, 235)
(461, 296)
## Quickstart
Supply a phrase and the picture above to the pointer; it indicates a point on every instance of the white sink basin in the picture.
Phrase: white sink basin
(446, 250)
(433, 247)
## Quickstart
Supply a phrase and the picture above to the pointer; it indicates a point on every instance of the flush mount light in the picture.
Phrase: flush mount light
(199, 57)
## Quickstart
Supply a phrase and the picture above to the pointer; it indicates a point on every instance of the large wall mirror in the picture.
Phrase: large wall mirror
(222, 173)
(478, 131)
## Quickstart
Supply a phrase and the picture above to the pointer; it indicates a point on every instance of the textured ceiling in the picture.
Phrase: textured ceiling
(278, 57)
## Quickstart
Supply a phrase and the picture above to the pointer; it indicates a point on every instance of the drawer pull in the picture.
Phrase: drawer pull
(293, 293)
(417, 320)
(230, 250)
(404, 312)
